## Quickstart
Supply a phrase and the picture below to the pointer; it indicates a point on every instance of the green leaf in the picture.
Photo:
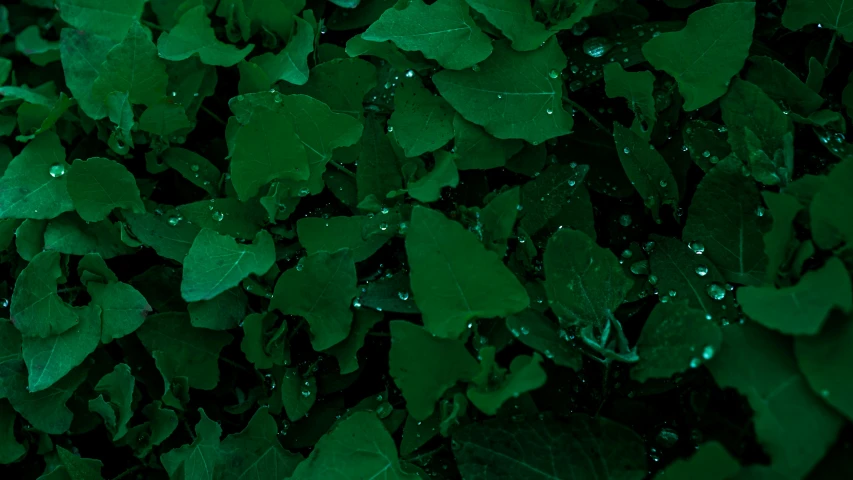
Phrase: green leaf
(791, 422)
(200, 460)
(49, 359)
(778, 241)
(758, 132)
(133, 67)
(170, 237)
(525, 374)
(476, 149)
(497, 220)
(111, 19)
(545, 336)
(443, 174)
(638, 89)
(710, 462)
(298, 393)
(40, 51)
(164, 119)
(98, 186)
(545, 196)
(28, 189)
(71, 235)
(682, 274)
(675, 338)
(454, 278)
(255, 452)
(10, 450)
(549, 449)
(118, 386)
(424, 383)
(378, 172)
(336, 233)
(647, 170)
(46, 410)
(340, 83)
(225, 216)
(291, 64)
(216, 263)
(192, 166)
(320, 130)
(726, 217)
(256, 160)
(421, 121)
(74, 467)
(357, 46)
(515, 20)
(442, 31)
(824, 360)
(830, 225)
(829, 13)
(782, 85)
(363, 440)
(223, 312)
(800, 309)
(320, 289)
(346, 352)
(36, 309)
(513, 94)
(123, 309)
(160, 425)
(194, 35)
(585, 282)
(194, 352)
(260, 346)
(707, 53)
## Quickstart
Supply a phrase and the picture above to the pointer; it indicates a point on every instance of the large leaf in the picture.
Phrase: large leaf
(34, 184)
(834, 14)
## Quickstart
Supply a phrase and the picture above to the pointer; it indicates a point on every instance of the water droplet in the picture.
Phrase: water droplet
(667, 437)
(572, 183)
(323, 30)
(706, 154)
(695, 362)
(697, 247)
(824, 393)
(653, 279)
(57, 170)
(519, 207)
(304, 191)
(218, 216)
(708, 352)
(626, 150)
(383, 226)
(580, 28)
(384, 211)
(701, 270)
(403, 296)
(4, 303)
(574, 69)
(299, 267)
(174, 220)
(306, 393)
(500, 96)
(576, 85)
(476, 68)
(663, 183)
(356, 303)
(549, 111)
(553, 74)
(640, 268)
(525, 331)
(716, 291)
(410, 74)
(595, 47)
(759, 211)
(625, 220)
(627, 253)
(240, 98)
(194, 168)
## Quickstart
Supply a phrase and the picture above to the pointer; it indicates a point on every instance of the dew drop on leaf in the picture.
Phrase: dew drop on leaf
(716, 291)
(57, 170)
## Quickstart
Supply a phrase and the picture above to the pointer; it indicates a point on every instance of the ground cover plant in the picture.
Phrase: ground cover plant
(463, 239)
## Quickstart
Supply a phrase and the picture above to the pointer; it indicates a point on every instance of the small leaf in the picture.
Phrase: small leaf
(133, 67)
(298, 393)
(34, 184)
(36, 308)
(454, 278)
(707, 53)
(378, 172)
(49, 359)
(291, 64)
(825, 360)
(118, 385)
(647, 170)
(336, 233)
(194, 35)
(320, 289)
(443, 174)
(98, 185)
(638, 89)
(800, 309)
(255, 452)
(710, 461)
(346, 352)
(199, 460)
(512, 95)
(109, 19)
(123, 309)
(585, 282)
(545, 336)
(442, 31)
(674, 339)
(424, 383)
(545, 196)
(216, 263)
(525, 374)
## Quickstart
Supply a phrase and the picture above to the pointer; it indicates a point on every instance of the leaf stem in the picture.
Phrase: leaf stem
(129, 471)
(341, 168)
(829, 50)
(588, 115)
(152, 26)
(213, 115)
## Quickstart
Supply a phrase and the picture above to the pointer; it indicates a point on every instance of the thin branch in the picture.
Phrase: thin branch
(213, 115)
(588, 115)
(341, 168)
(829, 50)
